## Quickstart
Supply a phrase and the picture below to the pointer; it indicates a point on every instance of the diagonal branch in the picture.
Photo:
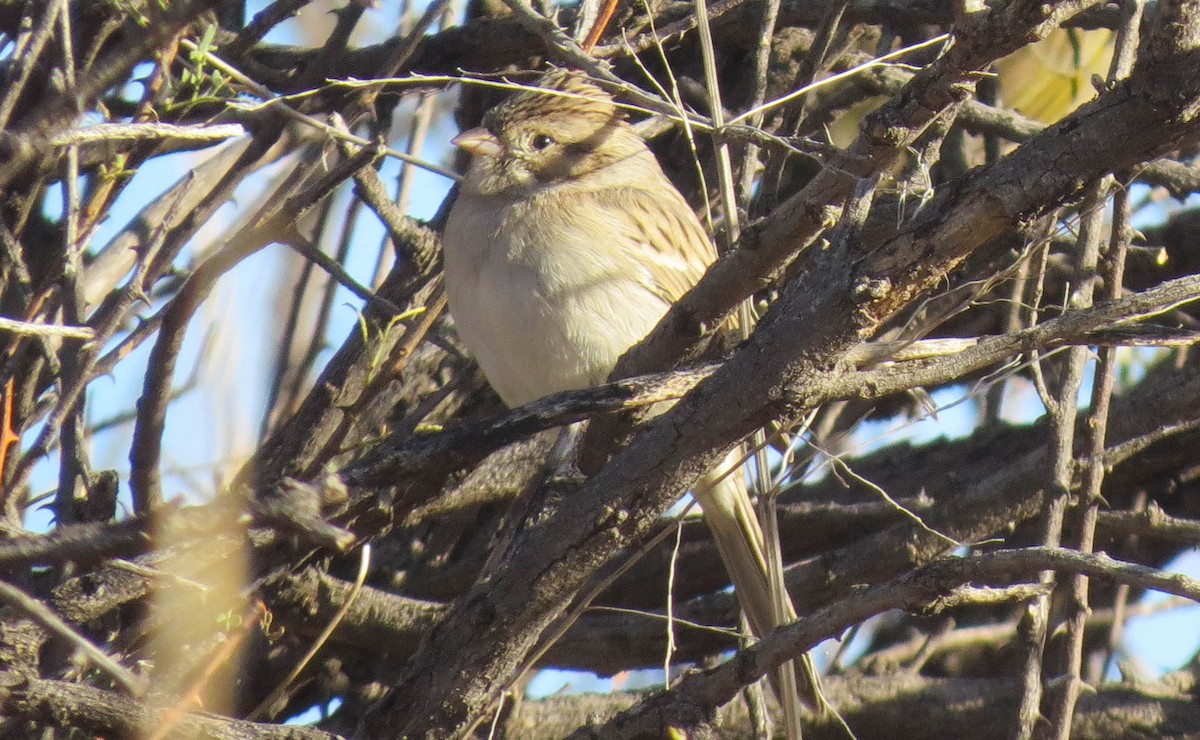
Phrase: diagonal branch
(697, 695)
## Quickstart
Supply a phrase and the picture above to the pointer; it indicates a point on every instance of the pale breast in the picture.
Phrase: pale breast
(542, 305)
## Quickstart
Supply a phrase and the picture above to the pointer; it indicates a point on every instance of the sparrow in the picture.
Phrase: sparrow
(565, 246)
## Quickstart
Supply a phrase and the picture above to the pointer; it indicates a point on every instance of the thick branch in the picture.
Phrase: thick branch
(696, 696)
(73, 705)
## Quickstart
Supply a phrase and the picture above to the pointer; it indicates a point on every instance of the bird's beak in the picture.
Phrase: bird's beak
(478, 141)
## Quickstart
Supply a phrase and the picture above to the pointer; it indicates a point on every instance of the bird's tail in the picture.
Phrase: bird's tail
(739, 538)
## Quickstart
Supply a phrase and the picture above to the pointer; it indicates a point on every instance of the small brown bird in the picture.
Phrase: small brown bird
(566, 245)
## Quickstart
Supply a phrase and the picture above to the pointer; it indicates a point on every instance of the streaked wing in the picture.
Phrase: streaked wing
(662, 235)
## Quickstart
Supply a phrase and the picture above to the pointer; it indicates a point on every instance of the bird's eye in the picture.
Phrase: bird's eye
(542, 141)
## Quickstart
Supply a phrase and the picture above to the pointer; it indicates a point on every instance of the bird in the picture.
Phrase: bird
(565, 245)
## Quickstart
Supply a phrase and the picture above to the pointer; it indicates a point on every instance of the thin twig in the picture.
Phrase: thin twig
(1063, 462)
(1113, 272)
(422, 119)
(597, 29)
(37, 329)
(24, 59)
(133, 684)
(269, 99)
(762, 60)
(266, 706)
(940, 39)
(74, 466)
(114, 132)
(669, 652)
